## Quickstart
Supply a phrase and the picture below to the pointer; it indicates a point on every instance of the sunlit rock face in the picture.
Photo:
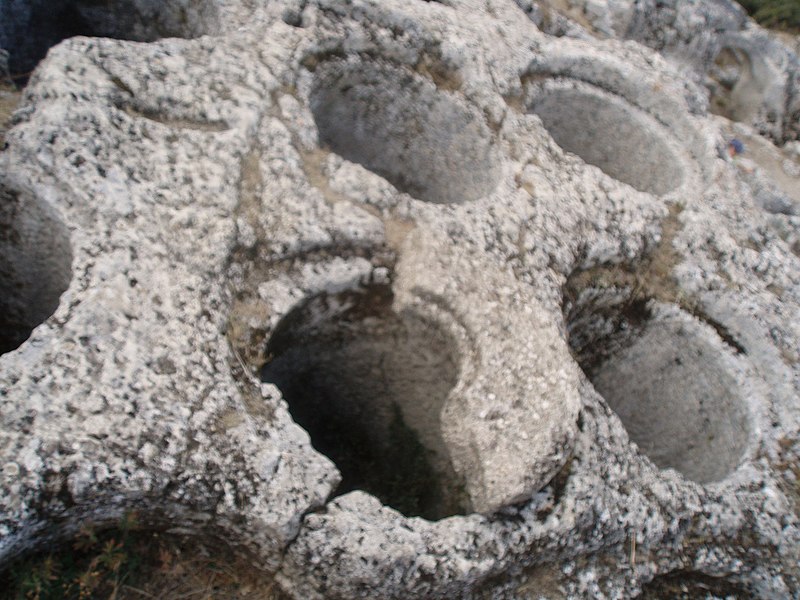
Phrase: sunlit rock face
(404, 299)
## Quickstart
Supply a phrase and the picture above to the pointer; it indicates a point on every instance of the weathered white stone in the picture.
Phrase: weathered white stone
(750, 75)
(426, 205)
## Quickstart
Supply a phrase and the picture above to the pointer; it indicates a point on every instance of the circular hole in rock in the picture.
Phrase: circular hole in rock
(658, 369)
(427, 142)
(368, 385)
(737, 84)
(28, 28)
(35, 265)
(609, 133)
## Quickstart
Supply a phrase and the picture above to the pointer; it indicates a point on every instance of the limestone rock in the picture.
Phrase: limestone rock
(750, 75)
(408, 299)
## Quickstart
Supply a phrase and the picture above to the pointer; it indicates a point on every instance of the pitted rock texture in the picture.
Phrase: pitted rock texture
(750, 76)
(30, 27)
(405, 299)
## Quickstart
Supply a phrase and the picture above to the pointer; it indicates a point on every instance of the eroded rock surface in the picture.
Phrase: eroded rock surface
(751, 76)
(404, 298)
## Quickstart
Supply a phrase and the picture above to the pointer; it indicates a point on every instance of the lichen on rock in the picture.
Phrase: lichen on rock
(406, 299)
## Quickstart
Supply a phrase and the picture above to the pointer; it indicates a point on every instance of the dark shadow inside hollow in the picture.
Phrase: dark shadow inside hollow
(607, 132)
(664, 376)
(28, 28)
(736, 84)
(368, 385)
(690, 585)
(427, 142)
(35, 265)
(153, 560)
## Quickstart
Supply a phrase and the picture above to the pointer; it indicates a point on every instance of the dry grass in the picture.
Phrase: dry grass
(649, 278)
(192, 573)
(137, 565)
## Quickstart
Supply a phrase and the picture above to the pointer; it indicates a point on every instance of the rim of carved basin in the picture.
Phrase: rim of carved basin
(607, 131)
(671, 379)
(428, 142)
(35, 264)
(29, 28)
(368, 384)
(425, 336)
(740, 79)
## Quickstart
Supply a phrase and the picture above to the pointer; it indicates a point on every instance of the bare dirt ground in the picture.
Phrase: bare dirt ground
(776, 162)
(9, 99)
(189, 572)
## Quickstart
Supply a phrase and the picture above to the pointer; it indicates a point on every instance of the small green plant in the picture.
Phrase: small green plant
(97, 565)
(129, 563)
(779, 14)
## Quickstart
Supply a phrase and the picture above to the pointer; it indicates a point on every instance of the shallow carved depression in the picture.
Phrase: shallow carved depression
(35, 265)
(29, 27)
(670, 385)
(607, 132)
(427, 142)
(368, 384)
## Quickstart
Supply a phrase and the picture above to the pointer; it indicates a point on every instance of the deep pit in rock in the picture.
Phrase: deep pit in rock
(427, 142)
(368, 384)
(736, 84)
(606, 131)
(30, 27)
(657, 368)
(35, 265)
(690, 585)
